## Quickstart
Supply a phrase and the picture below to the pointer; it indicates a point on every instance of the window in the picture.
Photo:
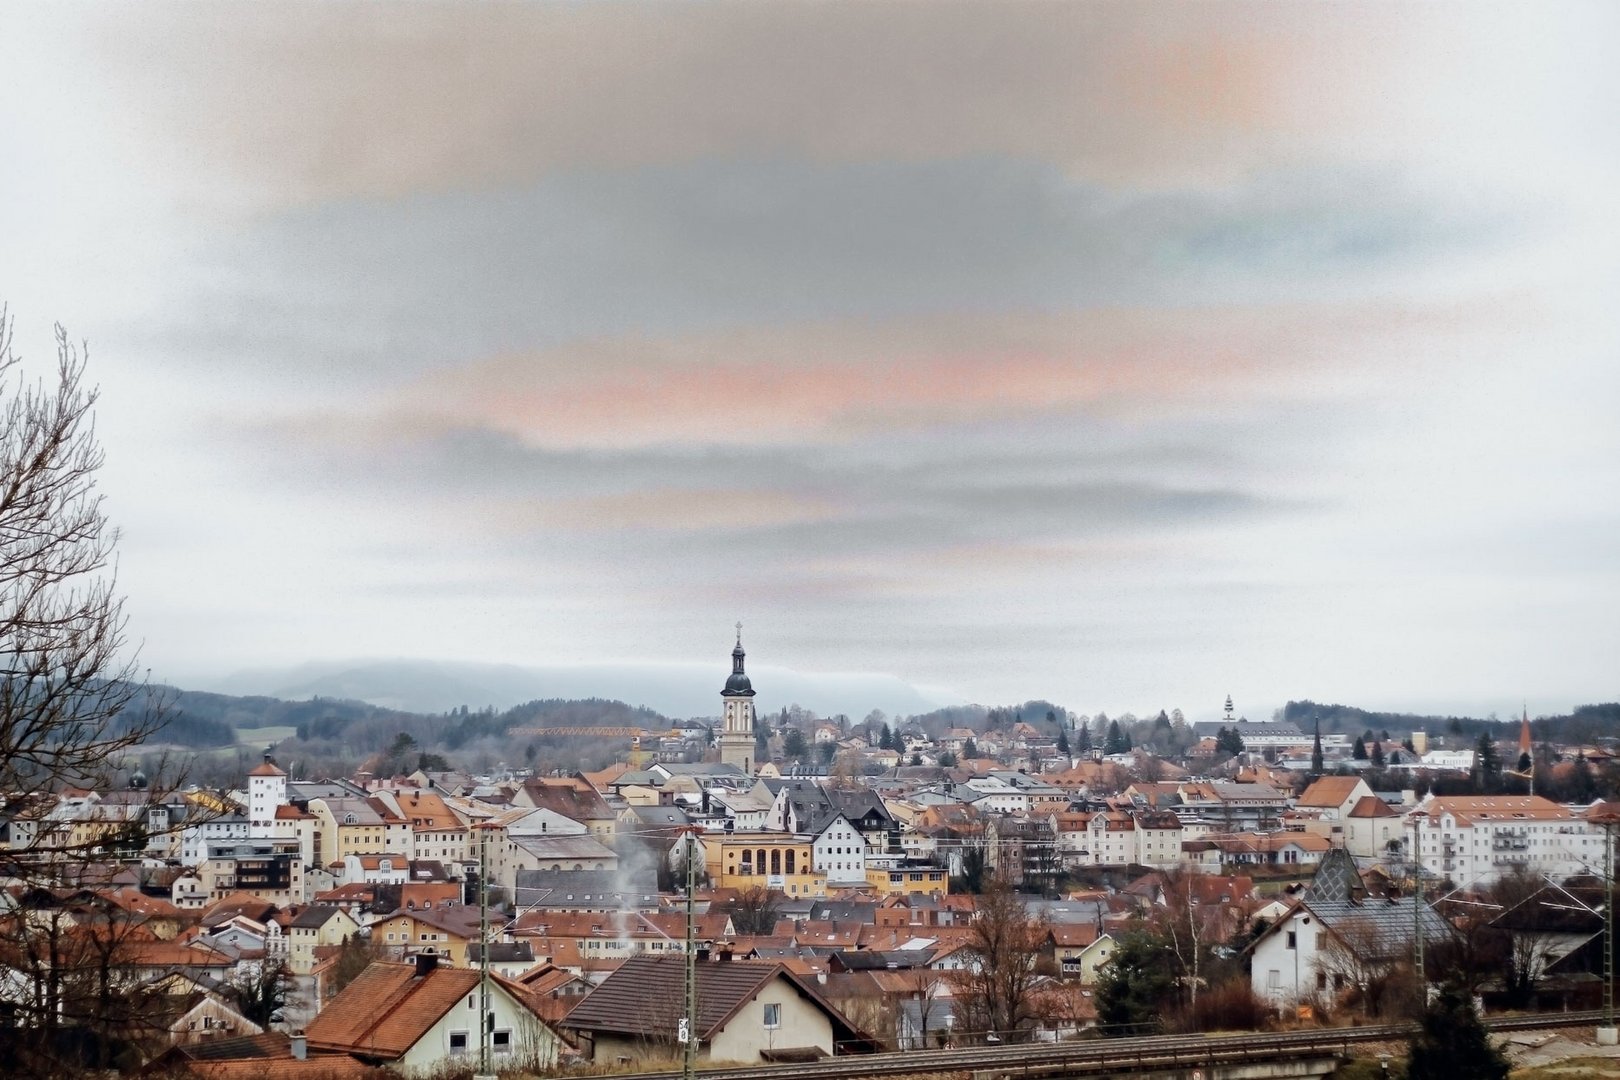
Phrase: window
(773, 1015)
(458, 1042)
(1293, 940)
(500, 1042)
(1274, 979)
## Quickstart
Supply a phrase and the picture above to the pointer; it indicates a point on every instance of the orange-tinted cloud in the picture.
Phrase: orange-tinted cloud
(343, 101)
(832, 381)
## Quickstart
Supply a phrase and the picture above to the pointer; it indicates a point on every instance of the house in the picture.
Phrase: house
(1330, 798)
(423, 1018)
(357, 826)
(1337, 938)
(445, 932)
(268, 1056)
(317, 925)
(1066, 945)
(509, 958)
(1373, 829)
(1158, 838)
(748, 1011)
(573, 797)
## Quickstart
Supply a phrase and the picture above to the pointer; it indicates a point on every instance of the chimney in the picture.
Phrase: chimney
(300, 1047)
(425, 964)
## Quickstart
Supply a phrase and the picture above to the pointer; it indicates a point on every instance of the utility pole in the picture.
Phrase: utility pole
(1417, 914)
(1607, 1033)
(689, 1024)
(485, 1020)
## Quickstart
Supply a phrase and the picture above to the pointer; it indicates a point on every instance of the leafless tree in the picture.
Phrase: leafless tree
(74, 998)
(1356, 958)
(71, 710)
(754, 910)
(1188, 929)
(67, 679)
(994, 993)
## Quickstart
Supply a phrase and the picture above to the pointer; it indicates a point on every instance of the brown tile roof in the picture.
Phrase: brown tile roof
(620, 1003)
(388, 1007)
(428, 811)
(1073, 935)
(570, 797)
(1371, 806)
(1329, 791)
(314, 1067)
(267, 1044)
(237, 903)
(138, 903)
(603, 779)
(1468, 808)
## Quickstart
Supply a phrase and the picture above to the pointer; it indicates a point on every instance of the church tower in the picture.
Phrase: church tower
(737, 727)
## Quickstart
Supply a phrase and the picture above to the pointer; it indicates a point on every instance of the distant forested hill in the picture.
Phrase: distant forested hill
(200, 719)
(552, 712)
(1587, 724)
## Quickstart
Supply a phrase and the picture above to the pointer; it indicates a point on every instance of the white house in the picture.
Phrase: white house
(839, 850)
(422, 1019)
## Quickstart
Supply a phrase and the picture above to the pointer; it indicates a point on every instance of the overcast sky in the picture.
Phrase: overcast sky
(1126, 355)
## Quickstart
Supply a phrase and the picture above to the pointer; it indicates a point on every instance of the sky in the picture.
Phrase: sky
(1125, 355)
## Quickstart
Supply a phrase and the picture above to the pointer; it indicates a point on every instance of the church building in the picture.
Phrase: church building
(737, 727)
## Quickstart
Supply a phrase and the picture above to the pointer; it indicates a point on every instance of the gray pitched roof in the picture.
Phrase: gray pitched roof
(586, 890)
(1384, 924)
(1337, 879)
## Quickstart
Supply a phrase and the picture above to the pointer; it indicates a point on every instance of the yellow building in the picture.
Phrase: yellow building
(779, 861)
(925, 879)
(444, 932)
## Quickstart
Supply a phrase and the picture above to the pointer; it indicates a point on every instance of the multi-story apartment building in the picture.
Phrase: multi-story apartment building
(357, 827)
(1472, 839)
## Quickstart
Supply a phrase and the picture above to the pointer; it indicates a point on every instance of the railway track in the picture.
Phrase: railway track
(1104, 1057)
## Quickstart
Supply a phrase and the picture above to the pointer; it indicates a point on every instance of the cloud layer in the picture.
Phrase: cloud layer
(1124, 354)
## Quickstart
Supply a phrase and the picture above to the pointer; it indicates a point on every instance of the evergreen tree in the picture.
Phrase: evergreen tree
(1377, 757)
(1454, 1043)
(1063, 742)
(886, 739)
(970, 749)
(1316, 751)
(1359, 750)
(794, 744)
(1487, 765)
(1228, 741)
(1083, 737)
(1133, 987)
(1115, 742)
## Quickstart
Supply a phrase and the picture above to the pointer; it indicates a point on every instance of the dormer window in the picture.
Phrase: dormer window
(350, 819)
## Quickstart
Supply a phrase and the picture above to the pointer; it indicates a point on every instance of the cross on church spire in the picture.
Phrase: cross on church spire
(739, 632)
